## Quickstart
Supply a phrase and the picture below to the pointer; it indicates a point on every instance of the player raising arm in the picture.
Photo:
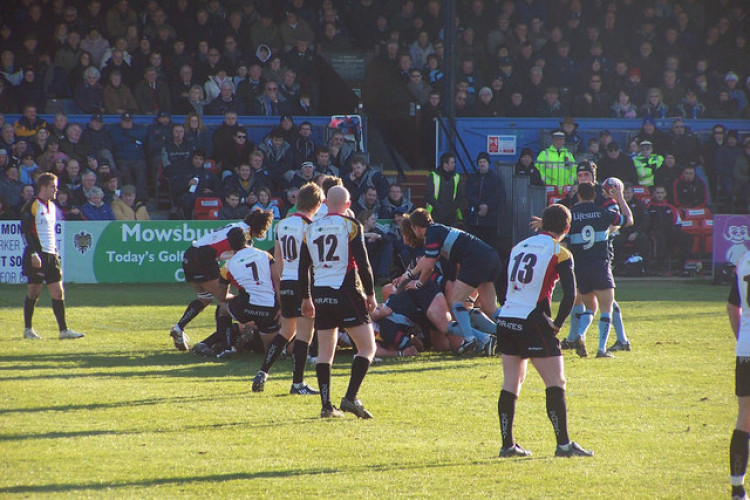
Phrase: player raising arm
(527, 331)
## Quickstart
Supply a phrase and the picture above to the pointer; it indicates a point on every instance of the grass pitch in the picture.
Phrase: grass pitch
(121, 413)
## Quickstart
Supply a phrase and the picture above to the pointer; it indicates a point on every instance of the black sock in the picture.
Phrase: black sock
(299, 354)
(506, 409)
(738, 453)
(58, 307)
(28, 310)
(193, 309)
(274, 351)
(558, 413)
(323, 371)
(314, 345)
(224, 327)
(360, 366)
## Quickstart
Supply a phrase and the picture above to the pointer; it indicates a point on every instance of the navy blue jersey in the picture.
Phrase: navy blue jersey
(452, 244)
(589, 235)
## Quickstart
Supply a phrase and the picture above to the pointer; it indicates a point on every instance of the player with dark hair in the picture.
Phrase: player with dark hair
(479, 268)
(738, 306)
(201, 267)
(335, 249)
(590, 245)
(254, 274)
(526, 329)
(41, 260)
(290, 238)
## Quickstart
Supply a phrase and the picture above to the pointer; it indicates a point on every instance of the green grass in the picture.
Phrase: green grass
(120, 413)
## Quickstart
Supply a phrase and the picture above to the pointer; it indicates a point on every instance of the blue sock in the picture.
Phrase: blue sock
(497, 313)
(587, 317)
(481, 322)
(604, 322)
(480, 336)
(617, 323)
(575, 318)
(463, 319)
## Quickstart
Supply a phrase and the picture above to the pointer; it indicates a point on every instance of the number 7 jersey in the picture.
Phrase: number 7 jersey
(533, 270)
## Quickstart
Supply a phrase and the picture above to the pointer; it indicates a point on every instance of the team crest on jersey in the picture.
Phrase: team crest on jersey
(82, 241)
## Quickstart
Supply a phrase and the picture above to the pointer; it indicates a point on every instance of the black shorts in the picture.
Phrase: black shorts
(342, 308)
(49, 272)
(291, 299)
(244, 312)
(423, 297)
(592, 276)
(478, 268)
(742, 376)
(394, 335)
(527, 338)
(199, 264)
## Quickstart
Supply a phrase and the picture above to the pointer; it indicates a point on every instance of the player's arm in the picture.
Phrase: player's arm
(568, 285)
(625, 212)
(28, 233)
(359, 253)
(305, 263)
(734, 310)
(225, 278)
(275, 277)
(422, 271)
(277, 257)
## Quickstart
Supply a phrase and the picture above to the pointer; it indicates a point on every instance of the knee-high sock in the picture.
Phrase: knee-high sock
(191, 311)
(360, 366)
(617, 323)
(463, 319)
(604, 323)
(58, 307)
(455, 329)
(558, 413)
(586, 318)
(575, 318)
(274, 351)
(299, 355)
(323, 371)
(481, 322)
(738, 453)
(28, 311)
(224, 328)
(506, 409)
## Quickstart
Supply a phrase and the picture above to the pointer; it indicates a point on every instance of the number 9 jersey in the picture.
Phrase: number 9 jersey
(534, 267)
(589, 231)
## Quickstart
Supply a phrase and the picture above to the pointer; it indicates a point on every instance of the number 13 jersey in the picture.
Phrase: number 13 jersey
(533, 270)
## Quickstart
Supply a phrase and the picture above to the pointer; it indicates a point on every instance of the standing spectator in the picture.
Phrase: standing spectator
(97, 140)
(647, 163)
(125, 207)
(11, 187)
(525, 167)
(556, 164)
(130, 153)
(484, 196)
(152, 94)
(689, 191)
(303, 147)
(224, 135)
(741, 176)
(724, 159)
(665, 230)
(683, 142)
(379, 246)
(95, 208)
(616, 164)
(649, 132)
(177, 150)
(441, 193)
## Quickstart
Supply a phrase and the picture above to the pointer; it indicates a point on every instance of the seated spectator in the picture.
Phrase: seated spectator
(193, 181)
(615, 163)
(197, 134)
(38, 143)
(266, 202)
(232, 209)
(177, 150)
(289, 86)
(303, 147)
(654, 106)
(286, 124)
(666, 232)
(484, 196)
(724, 108)
(278, 158)
(118, 98)
(573, 141)
(227, 100)
(736, 93)
(151, 94)
(305, 174)
(362, 177)
(623, 107)
(323, 164)
(261, 175)
(395, 201)
(72, 175)
(6, 212)
(11, 186)
(367, 201)
(271, 103)
(27, 193)
(340, 153)
(66, 210)
(690, 107)
(95, 208)
(28, 124)
(72, 145)
(688, 190)
(236, 152)
(125, 206)
(649, 132)
(290, 207)
(89, 96)
(46, 160)
(130, 153)
(593, 151)
(7, 138)
(97, 140)
(242, 182)
(379, 246)
(80, 195)
(197, 100)
(525, 167)
(110, 185)
(550, 105)
(633, 239)
(28, 169)
(647, 163)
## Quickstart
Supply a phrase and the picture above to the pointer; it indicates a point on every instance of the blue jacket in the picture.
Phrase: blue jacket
(129, 144)
(90, 212)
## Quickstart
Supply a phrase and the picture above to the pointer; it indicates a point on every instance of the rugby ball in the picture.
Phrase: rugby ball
(611, 183)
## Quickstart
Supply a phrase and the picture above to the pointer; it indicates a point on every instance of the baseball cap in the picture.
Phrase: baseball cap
(307, 164)
(127, 117)
(649, 119)
(558, 133)
(646, 143)
(585, 166)
(732, 76)
(128, 189)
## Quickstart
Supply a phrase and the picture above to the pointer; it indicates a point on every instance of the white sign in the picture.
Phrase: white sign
(501, 144)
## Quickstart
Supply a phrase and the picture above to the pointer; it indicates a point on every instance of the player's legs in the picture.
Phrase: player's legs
(575, 319)
(553, 374)
(514, 374)
(606, 299)
(488, 299)
(622, 344)
(326, 349)
(364, 339)
(460, 294)
(738, 448)
(33, 291)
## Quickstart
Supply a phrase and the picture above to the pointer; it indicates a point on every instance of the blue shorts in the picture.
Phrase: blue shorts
(479, 267)
(594, 276)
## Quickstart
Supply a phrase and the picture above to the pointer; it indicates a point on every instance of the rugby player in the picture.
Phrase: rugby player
(526, 330)
(201, 267)
(41, 260)
(336, 251)
(738, 307)
(290, 237)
